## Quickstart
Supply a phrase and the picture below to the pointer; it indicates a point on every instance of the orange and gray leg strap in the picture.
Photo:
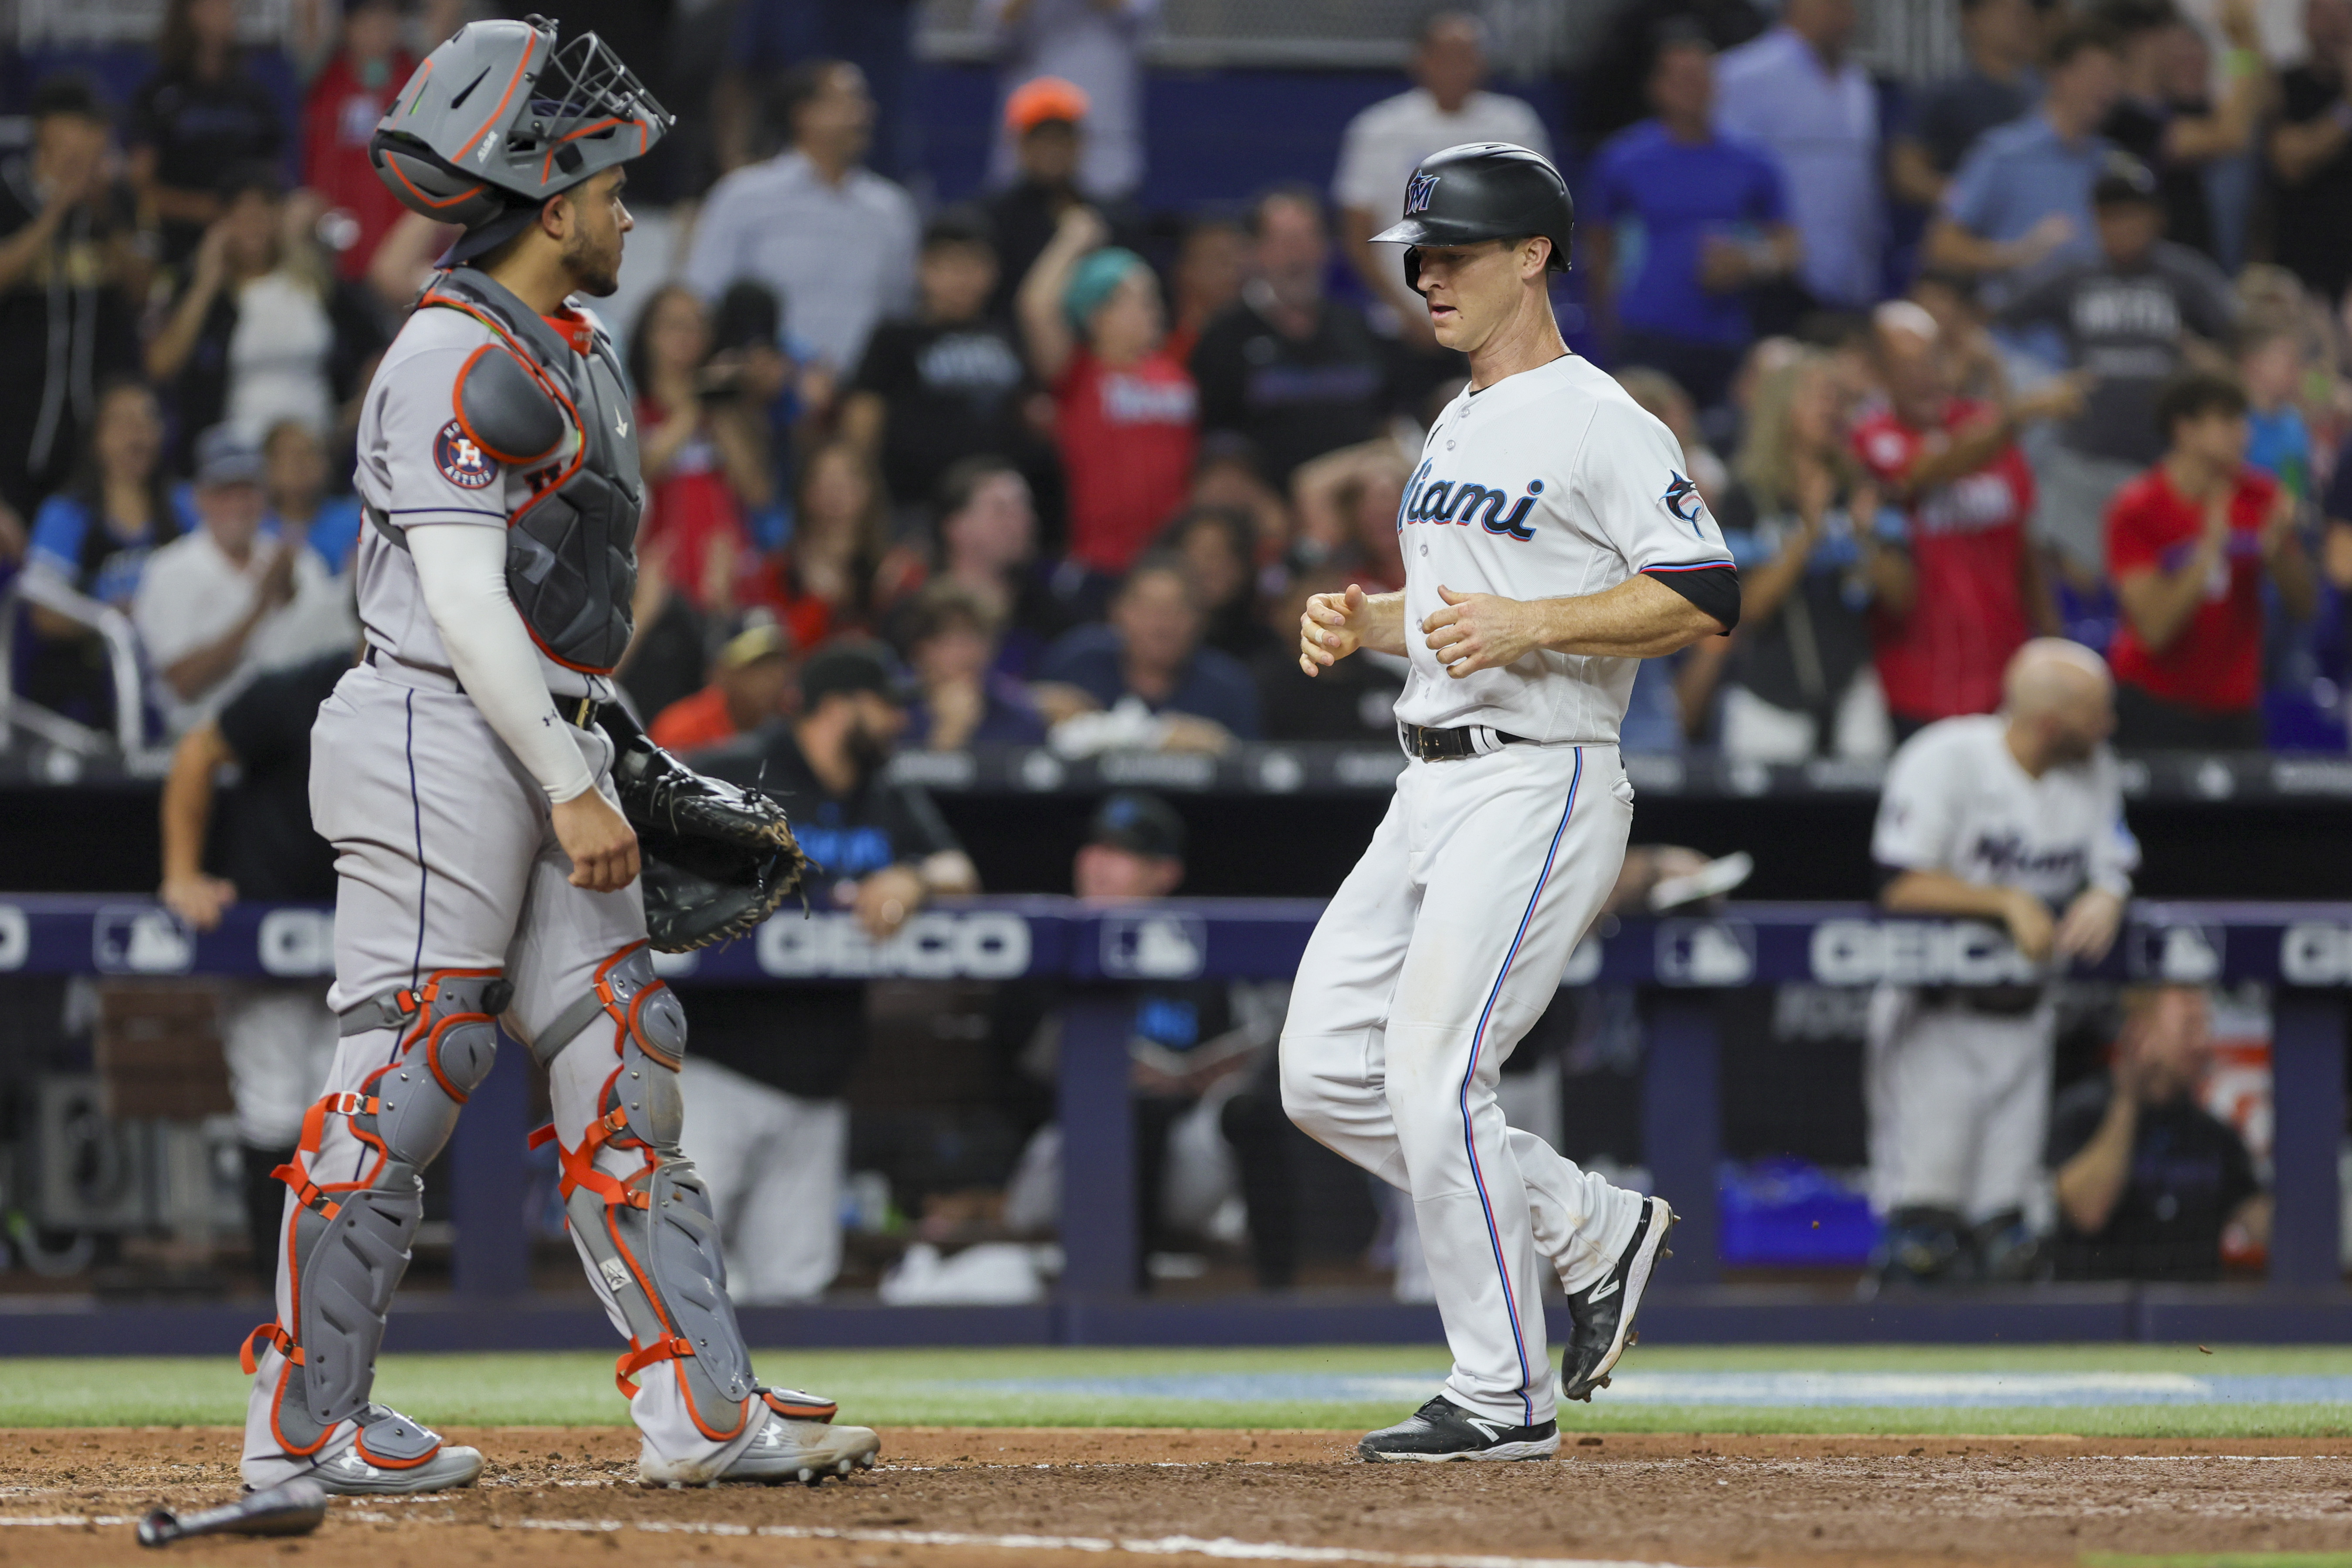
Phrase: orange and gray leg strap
(346, 1242)
(643, 1220)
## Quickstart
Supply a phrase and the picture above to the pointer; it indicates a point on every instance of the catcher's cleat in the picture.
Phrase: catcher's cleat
(1441, 1430)
(349, 1473)
(1600, 1317)
(786, 1450)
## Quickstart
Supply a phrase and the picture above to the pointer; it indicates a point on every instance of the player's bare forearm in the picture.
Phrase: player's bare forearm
(1941, 893)
(1639, 618)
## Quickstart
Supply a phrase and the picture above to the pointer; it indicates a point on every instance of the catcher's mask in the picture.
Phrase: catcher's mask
(499, 118)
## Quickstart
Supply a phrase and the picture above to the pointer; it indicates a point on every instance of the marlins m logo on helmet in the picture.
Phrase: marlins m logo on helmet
(1417, 192)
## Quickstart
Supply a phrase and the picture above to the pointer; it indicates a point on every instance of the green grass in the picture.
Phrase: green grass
(952, 1387)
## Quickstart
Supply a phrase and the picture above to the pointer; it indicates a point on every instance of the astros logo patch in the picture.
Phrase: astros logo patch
(1417, 192)
(461, 462)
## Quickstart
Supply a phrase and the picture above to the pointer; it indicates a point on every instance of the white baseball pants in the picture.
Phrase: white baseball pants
(445, 858)
(1958, 1104)
(774, 1164)
(1440, 949)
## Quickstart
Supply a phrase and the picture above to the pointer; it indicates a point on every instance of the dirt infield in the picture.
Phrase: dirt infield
(990, 1498)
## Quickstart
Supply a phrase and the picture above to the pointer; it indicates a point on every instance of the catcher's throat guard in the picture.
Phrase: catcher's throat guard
(717, 859)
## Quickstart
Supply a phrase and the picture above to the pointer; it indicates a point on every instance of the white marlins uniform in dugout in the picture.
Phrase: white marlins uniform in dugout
(1957, 1080)
(1447, 940)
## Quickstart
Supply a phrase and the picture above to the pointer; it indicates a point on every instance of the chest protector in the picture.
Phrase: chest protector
(571, 563)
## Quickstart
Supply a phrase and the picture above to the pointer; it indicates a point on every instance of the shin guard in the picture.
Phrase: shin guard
(648, 1232)
(346, 1242)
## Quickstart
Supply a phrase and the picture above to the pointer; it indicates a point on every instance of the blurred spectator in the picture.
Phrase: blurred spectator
(2311, 155)
(72, 284)
(1347, 502)
(1661, 397)
(2016, 818)
(339, 117)
(2179, 141)
(2024, 190)
(833, 240)
(1230, 475)
(988, 547)
(94, 536)
(1126, 415)
(763, 1088)
(769, 38)
(1211, 259)
(1094, 45)
(703, 449)
(1150, 657)
(2149, 1182)
(1216, 544)
(279, 1037)
(964, 698)
(406, 259)
(1360, 706)
(1954, 467)
(821, 583)
(2271, 367)
(202, 114)
(1299, 373)
(1971, 358)
(750, 675)
(946, 385)
(1047, 120)
(2189, 546)
(1795, 93)
(1612, 91)
(263, 330)
(1817, 554)
(1383, 145)
(298, 509)
(2001, 40)
(2128, 314)
(1708, 218)
(223, 602)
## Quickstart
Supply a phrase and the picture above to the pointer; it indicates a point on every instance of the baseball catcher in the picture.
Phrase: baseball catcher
(480, 788)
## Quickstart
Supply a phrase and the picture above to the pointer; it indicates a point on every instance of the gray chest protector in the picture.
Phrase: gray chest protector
(571, 564)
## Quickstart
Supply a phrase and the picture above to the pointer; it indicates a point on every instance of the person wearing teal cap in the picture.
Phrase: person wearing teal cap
(1127, 414)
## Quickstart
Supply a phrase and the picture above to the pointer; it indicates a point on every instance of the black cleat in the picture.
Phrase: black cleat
(1441, 1430)
(1601, 1318)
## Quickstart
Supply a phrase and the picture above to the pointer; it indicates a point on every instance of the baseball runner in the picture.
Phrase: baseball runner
(473, 777)
(1551, 540)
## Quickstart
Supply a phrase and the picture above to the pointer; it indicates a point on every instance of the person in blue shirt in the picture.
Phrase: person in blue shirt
(1697, 218)
(294, 478)
(1150, 652)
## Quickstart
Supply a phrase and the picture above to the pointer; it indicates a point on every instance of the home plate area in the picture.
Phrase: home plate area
(946, 1497)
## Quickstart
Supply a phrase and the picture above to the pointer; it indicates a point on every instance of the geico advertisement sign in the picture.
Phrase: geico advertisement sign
(938, 944)
(1915, 952)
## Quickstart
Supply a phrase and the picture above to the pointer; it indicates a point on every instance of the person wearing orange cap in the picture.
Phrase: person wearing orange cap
(1045, 121)
(1094, 45)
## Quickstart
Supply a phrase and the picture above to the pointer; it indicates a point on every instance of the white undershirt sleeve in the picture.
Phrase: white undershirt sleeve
(462, 568)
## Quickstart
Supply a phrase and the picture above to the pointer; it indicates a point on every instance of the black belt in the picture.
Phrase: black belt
(1450, 745)
(580, 712)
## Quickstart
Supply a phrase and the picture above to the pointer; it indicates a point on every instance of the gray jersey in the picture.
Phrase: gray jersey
(417, 468)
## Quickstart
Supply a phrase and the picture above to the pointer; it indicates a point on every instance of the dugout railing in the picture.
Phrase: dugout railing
(2302, 951)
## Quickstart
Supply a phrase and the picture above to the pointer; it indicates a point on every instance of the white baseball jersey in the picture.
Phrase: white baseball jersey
(1549, 484)
(416, 467)
(1957, 801)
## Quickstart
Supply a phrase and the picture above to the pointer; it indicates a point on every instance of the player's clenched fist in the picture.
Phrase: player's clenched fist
(1331, 627)
(1479, 631)
(603, 846)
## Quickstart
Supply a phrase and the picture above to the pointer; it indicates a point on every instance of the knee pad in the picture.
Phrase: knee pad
(346, 1242)
(650, 1235)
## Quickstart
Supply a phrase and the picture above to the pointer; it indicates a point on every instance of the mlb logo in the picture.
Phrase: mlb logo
(2175, 955)
(1154, 946)
(128, 940)
(1705, 953)
(461, 460)
(1417, 192)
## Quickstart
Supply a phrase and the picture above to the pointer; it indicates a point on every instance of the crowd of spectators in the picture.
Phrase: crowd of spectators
(2054, 345)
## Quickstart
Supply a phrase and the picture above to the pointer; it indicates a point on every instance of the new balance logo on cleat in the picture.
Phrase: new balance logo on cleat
(1441, 1430)
(1600, 1319)
(1604, 1290)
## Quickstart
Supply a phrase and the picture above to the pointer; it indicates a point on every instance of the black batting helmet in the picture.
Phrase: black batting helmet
(1479, 191)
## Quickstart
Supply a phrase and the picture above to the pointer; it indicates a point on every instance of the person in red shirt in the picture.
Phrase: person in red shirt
(2189, 543)
(703, 448)
(749, 676)
(339, 116)
(1127, 414)
(1954, 467)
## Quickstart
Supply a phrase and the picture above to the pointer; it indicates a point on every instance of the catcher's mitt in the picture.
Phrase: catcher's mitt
(717, 859)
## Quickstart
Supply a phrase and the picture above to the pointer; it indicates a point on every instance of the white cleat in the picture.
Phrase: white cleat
(349, 1474)
(785, 1450)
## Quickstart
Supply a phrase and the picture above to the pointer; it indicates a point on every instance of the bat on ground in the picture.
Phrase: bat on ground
(296, 1508)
